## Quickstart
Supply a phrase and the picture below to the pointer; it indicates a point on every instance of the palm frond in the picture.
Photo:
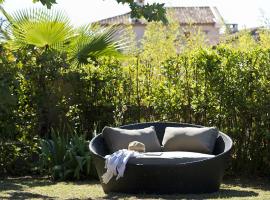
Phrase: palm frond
(41, 28)
(91, 43)
(51, 29)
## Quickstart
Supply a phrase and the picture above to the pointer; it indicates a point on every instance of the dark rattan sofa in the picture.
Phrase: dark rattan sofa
(202, 176)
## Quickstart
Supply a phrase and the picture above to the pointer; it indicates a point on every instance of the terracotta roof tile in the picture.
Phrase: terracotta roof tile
(185, 15)
(119, 19)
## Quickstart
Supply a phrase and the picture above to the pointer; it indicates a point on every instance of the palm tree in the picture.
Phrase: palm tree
(49, 35)
(51, 29)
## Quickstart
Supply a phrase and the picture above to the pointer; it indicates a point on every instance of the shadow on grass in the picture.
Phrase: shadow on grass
(85, 182)
(254, 183)
(6, 185)
(19, 183)
(14, 188)
(26, 195)
(231, 188)
(223, 193)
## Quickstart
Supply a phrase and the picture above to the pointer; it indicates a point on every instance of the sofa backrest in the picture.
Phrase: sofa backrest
(223, 142)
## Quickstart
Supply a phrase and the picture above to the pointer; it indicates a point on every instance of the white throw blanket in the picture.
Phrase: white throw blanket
(116, 164)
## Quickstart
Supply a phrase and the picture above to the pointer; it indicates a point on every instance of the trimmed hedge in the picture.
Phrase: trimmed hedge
(225, 86)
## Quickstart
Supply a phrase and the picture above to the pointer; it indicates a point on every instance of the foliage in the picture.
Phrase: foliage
(18, 158)
(47, 3)
(41, 54)
(78, 79)
(65, 156)
(225, 86)
(8, 98)
(153, 12)
(46, 46)
(16, 153)
(51, 30)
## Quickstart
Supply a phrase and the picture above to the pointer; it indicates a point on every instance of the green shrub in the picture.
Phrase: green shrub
(65, 156)
(19, 158)
(225, 86)
(8, 97)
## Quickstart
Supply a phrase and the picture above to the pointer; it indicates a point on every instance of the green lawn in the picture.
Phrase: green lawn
(41, 188)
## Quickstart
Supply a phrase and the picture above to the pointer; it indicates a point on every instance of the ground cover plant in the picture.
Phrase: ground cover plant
(65, 156)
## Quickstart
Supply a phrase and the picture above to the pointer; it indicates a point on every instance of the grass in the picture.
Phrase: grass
(41, 188)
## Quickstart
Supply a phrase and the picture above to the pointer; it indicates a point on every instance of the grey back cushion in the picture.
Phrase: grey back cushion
(117, 138)
(192, 139)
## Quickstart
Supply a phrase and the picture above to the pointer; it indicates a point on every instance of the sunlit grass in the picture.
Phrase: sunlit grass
(41, 188)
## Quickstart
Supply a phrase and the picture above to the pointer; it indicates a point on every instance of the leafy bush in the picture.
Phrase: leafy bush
(65, 157)
(224, 87)
(8, 97)
(19, 158)
(44, 87)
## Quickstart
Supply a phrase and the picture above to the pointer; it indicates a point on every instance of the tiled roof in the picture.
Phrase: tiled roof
(194, 15)
(185, 15)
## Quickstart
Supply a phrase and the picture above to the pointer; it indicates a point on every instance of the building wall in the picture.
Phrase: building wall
(212, 34)
(211, 31)
(139, 31)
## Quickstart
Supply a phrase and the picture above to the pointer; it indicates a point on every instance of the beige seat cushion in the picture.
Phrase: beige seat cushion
(191, 139)
(170, 157)
(117, 138)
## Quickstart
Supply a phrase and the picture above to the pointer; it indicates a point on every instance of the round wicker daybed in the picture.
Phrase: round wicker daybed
(202, 176)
